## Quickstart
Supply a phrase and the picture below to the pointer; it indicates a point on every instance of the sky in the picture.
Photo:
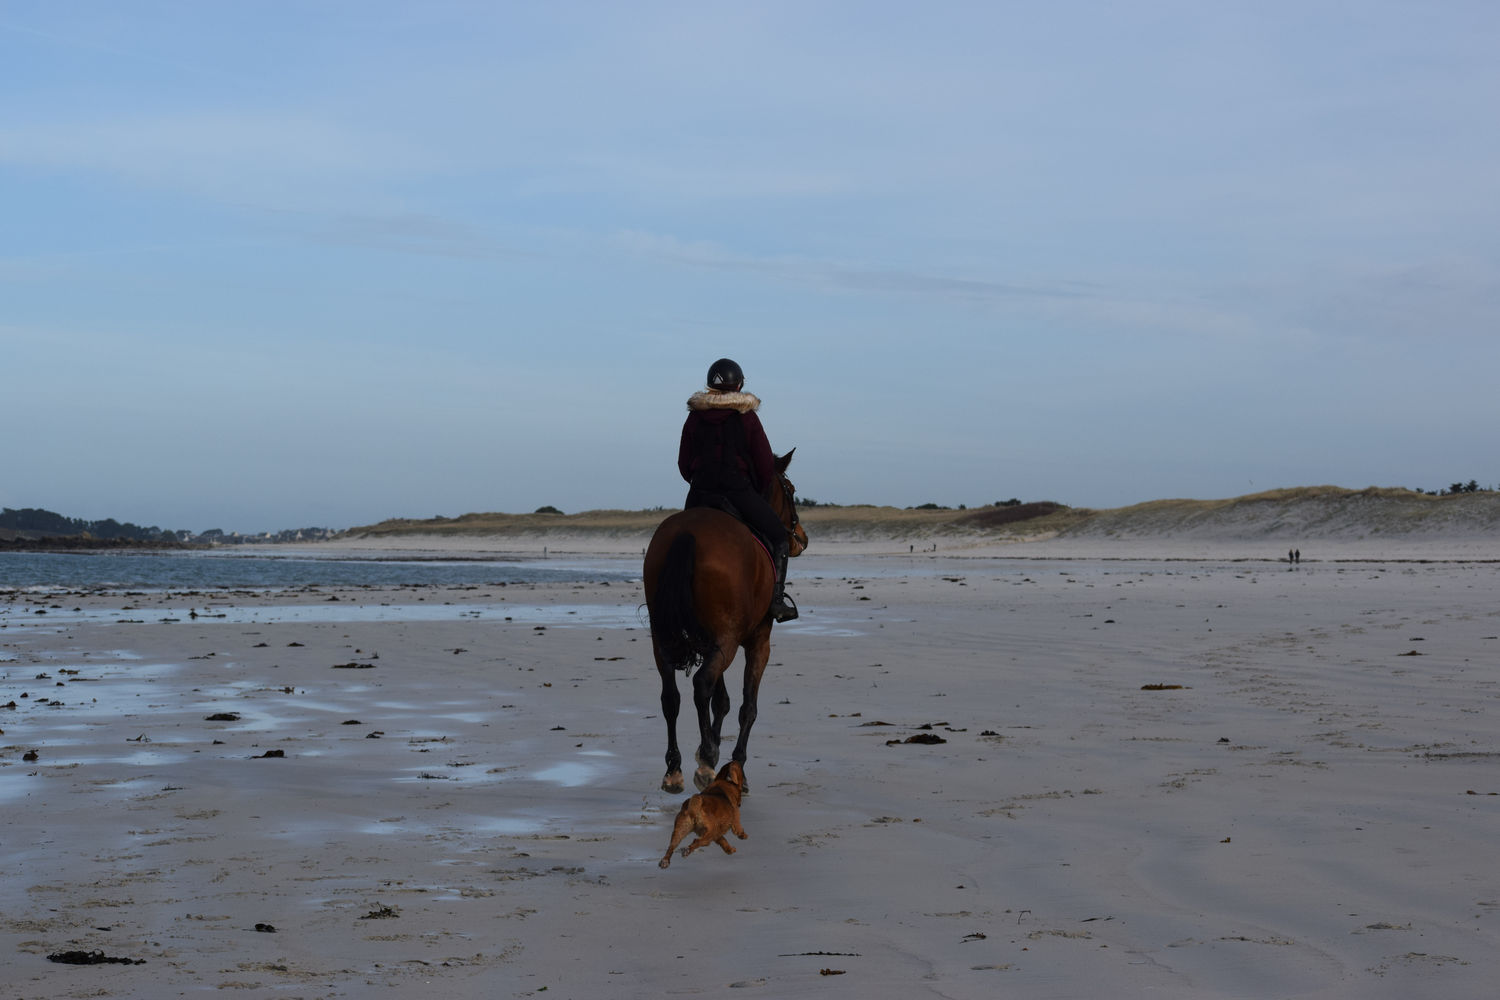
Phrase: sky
(280, 264)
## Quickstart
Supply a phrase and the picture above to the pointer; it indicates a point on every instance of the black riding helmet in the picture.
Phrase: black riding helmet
(725, 376)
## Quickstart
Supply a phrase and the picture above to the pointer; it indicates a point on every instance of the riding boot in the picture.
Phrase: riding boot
(783, 608)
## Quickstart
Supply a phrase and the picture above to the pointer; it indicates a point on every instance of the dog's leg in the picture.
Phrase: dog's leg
(680, 829)
(728, 847)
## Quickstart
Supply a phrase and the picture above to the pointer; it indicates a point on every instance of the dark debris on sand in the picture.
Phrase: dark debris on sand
(91, 958)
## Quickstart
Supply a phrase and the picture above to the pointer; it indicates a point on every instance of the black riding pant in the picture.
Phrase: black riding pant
(753, 509)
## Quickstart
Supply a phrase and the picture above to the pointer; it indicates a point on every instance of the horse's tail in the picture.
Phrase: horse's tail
(681, 638)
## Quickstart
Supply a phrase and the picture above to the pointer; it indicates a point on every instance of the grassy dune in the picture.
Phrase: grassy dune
(1307, 512)
(853, 522)
(1310, 512)
(590, 522)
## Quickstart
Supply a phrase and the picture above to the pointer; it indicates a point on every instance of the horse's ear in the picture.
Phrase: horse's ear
(784, 461)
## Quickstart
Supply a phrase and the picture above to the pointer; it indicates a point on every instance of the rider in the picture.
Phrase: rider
(724, 453)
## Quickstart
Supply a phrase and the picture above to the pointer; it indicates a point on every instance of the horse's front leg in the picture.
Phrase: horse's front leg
(671, 701)
(757, 652)
(709, 696)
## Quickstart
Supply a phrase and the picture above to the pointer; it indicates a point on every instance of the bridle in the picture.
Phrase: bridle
(789, 495)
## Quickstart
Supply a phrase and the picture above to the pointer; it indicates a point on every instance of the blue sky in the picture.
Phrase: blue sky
(276, 264)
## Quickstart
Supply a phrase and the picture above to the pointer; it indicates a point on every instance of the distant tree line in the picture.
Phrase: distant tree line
(1012, 502)
(34, 521)
(1472, 486)
(810, 502)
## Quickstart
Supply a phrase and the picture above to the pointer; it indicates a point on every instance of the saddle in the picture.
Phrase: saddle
(719, 501)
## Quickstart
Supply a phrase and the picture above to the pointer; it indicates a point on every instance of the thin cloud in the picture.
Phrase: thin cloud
(405, 232)
(232, 156)
(849, 277)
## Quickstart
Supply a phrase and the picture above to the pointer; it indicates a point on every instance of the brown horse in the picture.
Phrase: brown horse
(708, 591)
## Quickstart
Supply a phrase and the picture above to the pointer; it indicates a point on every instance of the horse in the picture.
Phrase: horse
(708, 584)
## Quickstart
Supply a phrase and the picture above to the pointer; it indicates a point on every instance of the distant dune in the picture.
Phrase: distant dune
(1302, 513)
(1314, 512)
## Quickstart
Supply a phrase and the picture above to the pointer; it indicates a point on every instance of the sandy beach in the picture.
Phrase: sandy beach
(1195, 777)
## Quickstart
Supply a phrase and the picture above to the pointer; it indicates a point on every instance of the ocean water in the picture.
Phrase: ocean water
(228, 570)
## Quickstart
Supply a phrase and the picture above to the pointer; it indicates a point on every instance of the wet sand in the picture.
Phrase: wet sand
(1196, 779)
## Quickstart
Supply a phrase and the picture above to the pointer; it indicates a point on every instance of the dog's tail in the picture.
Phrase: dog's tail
(680, 637)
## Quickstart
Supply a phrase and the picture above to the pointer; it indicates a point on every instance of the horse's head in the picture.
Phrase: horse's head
(784, 503)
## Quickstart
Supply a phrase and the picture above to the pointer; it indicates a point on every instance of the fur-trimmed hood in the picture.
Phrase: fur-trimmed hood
(744, 402)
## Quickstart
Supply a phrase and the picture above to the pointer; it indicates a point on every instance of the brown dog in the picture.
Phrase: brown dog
(710, 814)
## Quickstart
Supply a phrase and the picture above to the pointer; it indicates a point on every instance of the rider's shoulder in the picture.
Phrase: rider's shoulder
(706, 401)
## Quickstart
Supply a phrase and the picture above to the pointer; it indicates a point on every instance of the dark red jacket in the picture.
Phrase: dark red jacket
(713, 453)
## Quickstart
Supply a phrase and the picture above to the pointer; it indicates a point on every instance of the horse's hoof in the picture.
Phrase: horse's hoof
(703, 777)
(672, 783)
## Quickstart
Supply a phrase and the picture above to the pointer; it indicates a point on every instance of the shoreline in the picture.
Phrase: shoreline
(1467, 548)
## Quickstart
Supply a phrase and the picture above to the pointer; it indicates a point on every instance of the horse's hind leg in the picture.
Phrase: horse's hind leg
(757, 652)
(671, 701)
(720, 706)
(709, 694)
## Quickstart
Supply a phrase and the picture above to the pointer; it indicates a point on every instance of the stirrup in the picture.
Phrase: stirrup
(783, 608)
